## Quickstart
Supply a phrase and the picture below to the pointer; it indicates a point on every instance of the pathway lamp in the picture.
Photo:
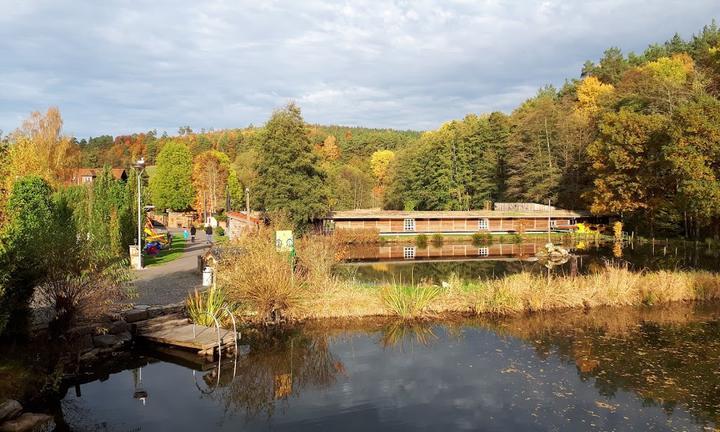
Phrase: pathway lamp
(139, 167)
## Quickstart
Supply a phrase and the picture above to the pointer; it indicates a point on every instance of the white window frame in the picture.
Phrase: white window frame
(409, 252)
(484, 251)
(553, 223)
(409, 224)
(484, 224)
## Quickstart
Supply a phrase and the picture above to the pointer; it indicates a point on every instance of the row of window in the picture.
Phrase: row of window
(409, 252)
(409, 224)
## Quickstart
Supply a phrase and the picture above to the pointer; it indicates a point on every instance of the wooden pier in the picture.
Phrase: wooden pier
(177, 331)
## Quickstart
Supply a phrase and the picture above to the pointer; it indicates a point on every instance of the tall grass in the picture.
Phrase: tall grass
(408, 301)
(202, 306)
(261, 278)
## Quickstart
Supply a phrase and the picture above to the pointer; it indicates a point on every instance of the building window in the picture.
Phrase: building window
(553, 223)
(483, 251)
(409, 252)
(409, 225)
(87, 179)
(483, 224)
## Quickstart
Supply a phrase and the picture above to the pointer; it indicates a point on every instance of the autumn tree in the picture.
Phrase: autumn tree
(630, 170)
(171, 184)
(289, 178)
(380, 163)
(40, 148)
(210, 173)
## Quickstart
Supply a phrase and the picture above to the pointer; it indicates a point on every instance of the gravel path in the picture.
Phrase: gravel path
(171, 282)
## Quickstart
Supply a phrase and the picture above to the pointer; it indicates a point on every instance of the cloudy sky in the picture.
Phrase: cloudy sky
(126, 66)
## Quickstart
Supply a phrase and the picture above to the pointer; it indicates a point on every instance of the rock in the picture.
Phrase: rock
(90, 356)
(136, 315)
(28, 422)
(82, 330)
(124, 337)
(84, 343)
(105, 341)
(118, 327)
(9, 409)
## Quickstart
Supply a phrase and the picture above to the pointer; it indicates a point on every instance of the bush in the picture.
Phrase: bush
(480, 238)
(357, 236)
(24, 243)
(220, 231)
(409, 302)
(421, 241)
(438, 239)
(202, 306)
(81, 280)
(262, 278)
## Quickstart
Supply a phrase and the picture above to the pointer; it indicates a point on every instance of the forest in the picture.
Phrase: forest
(635, 136)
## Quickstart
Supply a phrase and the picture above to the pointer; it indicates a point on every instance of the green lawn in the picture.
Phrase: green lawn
(167, 255)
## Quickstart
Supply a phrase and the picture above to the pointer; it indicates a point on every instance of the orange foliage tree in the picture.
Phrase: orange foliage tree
(211, 169)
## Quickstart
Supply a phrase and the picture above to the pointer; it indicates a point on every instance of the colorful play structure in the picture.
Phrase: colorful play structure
(155, 241)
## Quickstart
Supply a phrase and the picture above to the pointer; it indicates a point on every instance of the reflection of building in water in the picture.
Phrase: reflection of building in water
(393, 252)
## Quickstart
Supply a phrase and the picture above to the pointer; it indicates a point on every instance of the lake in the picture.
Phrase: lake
(608, 369)
(405, 261)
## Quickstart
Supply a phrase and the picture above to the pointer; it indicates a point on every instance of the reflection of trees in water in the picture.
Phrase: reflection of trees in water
(404, 334)
(668, 356)
(278, 366)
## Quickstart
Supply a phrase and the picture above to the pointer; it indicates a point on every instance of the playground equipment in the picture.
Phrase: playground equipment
(152, 236)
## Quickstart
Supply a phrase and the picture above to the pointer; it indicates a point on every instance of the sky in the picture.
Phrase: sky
(119, 67)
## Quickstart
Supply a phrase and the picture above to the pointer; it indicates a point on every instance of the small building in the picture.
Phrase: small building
(239, 224)
(397, 222)
(88, 175)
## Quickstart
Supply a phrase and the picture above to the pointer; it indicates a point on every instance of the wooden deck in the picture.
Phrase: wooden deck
(177, 331)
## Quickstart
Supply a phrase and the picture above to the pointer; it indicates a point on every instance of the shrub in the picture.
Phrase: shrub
(317, 256)
(262, 278)
(202, 306)
(480, 238)
(81, 280)
(220, 231)
(357, 236)
(409, 302)
(438, 239)
(24, 242)
(421, 241)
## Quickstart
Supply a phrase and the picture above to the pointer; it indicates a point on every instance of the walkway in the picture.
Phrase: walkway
(171, 282)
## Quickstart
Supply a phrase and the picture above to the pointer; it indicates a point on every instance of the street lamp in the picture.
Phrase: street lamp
(247, 203)
(140, 168)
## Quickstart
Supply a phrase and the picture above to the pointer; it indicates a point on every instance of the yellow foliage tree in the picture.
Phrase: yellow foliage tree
(590, 92)
(329, 149)
(39, 147)
(380, 164)
(211, 169)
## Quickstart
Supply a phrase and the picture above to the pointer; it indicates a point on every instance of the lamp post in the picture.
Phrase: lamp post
(247, 203)
(140, 168)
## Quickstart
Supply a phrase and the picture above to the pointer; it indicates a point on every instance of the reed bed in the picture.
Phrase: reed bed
(267, 286)
(518, 293)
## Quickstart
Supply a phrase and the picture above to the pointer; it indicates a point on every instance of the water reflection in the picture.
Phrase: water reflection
(628, 369)
(434, 264)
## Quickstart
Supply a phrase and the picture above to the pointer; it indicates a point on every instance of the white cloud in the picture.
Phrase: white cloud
(118, 67)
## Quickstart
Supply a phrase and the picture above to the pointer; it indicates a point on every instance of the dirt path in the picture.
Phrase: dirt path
(169, 283)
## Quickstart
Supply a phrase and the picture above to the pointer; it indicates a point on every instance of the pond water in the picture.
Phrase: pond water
(437, 262)
(621, 370)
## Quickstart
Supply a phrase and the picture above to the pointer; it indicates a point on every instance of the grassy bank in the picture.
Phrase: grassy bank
(266, 287)
(524, 292)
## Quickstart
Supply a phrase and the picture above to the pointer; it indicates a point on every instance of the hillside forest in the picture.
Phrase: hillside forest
(635, 136)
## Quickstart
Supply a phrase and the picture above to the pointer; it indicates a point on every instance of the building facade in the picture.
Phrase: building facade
(395, 222)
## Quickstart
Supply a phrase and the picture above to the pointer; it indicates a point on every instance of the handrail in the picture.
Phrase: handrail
(217, 326)
(235, 338)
